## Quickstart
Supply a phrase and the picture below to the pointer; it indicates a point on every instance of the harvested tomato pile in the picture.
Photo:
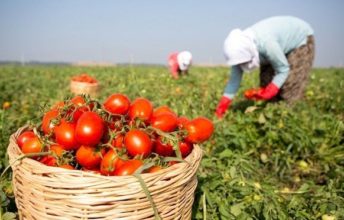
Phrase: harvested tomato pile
(113, 138)
(84, 77)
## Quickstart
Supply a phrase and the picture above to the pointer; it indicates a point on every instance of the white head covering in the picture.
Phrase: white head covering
(184, 59)
(240, 49)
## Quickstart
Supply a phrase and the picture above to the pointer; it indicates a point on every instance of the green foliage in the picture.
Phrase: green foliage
(265, 160)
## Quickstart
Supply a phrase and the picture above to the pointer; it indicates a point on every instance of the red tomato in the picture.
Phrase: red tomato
(199, 130)
(138, 143)
(118, 141)
(79, 109)
(153, 169)
(128, 167)
(47, 125)
(141, 108)
(163, 149)
(51, 160)
(117, 104)
(89, 157)
(67, 166)
(185, 148)
(24, 137)
(166, 122)
(251, 93)
(33, 145)
(89, 129)
(109, 163)
(58, 105)
(163, 109)
(65, 135)
(182, 121)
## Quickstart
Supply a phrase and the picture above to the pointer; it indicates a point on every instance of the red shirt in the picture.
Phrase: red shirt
(173, 63)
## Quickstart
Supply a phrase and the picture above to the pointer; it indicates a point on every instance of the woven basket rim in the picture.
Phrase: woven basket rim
(84, 83)
(40, 166)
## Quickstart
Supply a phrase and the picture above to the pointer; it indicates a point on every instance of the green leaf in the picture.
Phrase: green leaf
(236, 209)
(261, 119)
(9, 216)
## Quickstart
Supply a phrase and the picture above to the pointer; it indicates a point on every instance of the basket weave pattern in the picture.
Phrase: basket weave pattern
(44, 192)
(91, 89)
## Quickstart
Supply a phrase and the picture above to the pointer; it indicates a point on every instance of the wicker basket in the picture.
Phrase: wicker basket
(43, 192)
(91, 89)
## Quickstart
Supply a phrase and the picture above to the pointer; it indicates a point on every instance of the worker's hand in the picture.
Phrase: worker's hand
(222, 106)
(267, 93)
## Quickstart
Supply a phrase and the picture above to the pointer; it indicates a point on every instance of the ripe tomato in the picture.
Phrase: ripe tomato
(65, 135)
(89, 129)
(24, 137)
(182, 121)
(51, 160)
(33, 145)
(141, 108)
(118, 141)
(163, 149)
(251, 93)
(199, 130)
(89, 157)
(117, 104)
(47, 125)
(128, 167)
(185, 148)
(109, 163)
(79, 108)
(166, 122)
(58, 105)
(67, 166)
(138, 143)
(153, 169)
(163, 109)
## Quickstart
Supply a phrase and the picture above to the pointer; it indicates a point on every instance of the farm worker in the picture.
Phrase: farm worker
(179, 63)
(282, 47)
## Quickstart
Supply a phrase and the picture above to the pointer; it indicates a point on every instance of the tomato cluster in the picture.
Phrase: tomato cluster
(115, 137)
(84, 77)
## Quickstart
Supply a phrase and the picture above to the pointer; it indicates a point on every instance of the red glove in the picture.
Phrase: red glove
(222, 106)
(268, 92)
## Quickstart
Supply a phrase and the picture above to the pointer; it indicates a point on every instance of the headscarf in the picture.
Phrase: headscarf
(184, 59)
(240, 49)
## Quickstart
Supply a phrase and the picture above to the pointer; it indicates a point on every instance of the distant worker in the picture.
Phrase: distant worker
(283, 48)
(179, 63)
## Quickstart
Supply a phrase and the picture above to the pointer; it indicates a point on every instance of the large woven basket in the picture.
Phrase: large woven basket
(91, 89)
(43, 192)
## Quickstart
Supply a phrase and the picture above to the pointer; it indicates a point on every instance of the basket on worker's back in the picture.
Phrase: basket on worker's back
(91, 89)
(44, 192)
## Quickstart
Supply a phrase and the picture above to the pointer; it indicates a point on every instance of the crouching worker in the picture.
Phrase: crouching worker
(282, 47)
(179, 63)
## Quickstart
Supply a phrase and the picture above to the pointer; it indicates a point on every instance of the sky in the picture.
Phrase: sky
(133, 31)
